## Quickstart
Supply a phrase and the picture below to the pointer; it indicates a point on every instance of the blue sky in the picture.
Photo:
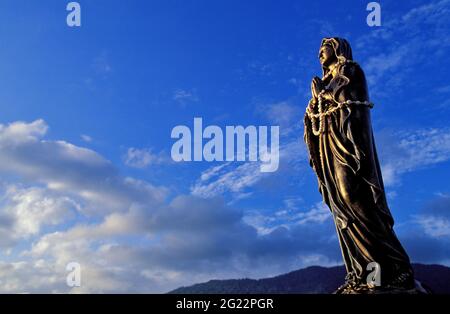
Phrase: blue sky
(86, 116)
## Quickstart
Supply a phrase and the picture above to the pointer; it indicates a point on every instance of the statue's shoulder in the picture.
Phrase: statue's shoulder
(351, 69)
(349, 65)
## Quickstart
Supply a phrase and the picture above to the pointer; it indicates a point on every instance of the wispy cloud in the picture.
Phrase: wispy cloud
(403, 152)
(435, 227)
(424, 37)
(238, 179)
(435, 217)
(101, 65)
(143, 158)
(284, 114)
(217, 181)
(86, 138)
(427, 234)
(288, 217)
(183, 96)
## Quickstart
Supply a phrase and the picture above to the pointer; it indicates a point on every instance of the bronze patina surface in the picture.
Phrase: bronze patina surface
(340, 140)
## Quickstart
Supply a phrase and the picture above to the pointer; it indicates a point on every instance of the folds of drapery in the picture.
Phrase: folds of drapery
(347, 139)
(345, 150)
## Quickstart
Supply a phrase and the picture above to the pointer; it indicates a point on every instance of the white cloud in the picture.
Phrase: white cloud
(74, 206)
(142, 158)
(428, 12)
(186, 241)
(70, 169)
(423, 34)
(434, 218)
(101, 65)
(283, 114)
(24, 211)
(86, 138)
(147, 244)
(237, 179)
(403, 152)
(288, 217)
(183, 96)
(216, 181)
(433, 226)
(21, 132)
(138, 242)
(378, 66)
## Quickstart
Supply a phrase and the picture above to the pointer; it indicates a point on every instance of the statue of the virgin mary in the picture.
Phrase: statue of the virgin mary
(339, 137)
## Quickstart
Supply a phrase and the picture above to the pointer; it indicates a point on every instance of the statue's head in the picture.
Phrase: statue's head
(334, 49)
(327, 55)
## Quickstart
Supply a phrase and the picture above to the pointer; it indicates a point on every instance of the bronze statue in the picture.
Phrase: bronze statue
(339, 137)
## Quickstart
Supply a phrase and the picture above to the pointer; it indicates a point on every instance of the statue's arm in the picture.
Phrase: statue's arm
(356, 89)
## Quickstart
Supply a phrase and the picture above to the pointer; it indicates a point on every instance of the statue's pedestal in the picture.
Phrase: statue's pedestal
(418, 289)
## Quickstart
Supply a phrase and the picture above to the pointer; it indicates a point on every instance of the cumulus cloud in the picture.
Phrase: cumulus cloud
(21, 132)
(185, 241)
(74, 206)
(24, 211)
(70, 169)
(148, 244)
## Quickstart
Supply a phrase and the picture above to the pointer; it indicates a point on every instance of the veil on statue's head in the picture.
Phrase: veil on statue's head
(341, 47)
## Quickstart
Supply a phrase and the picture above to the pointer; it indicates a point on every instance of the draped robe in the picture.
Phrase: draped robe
(345, 161)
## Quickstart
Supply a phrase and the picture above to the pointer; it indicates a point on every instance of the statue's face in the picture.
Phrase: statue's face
(326, 55)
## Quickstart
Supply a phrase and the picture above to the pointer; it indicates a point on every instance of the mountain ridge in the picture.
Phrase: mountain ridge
(310, 280)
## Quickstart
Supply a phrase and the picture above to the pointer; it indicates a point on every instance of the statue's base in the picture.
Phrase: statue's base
(418, 289)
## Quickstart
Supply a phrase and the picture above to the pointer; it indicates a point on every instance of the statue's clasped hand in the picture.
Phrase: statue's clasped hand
(316, 87)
